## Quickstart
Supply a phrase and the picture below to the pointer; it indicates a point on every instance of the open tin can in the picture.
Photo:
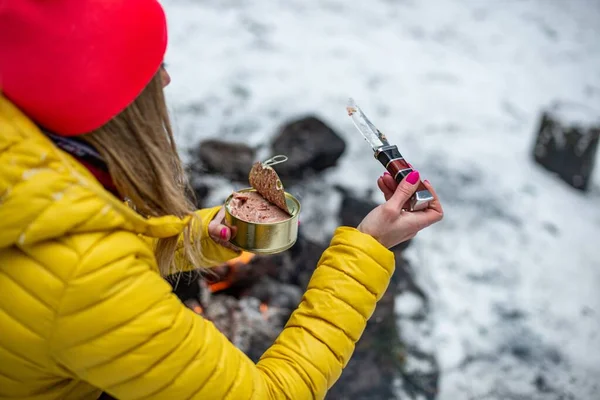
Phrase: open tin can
(265, 238)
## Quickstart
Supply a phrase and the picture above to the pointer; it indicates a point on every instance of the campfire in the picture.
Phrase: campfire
(244, 302)
(229, 273)
(250, 298)
(229, 277)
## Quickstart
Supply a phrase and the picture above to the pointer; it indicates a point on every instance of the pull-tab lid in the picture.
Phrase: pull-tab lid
(278, 159)
(264, 179)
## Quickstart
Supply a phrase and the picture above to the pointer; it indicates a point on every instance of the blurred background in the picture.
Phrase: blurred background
(510, 306)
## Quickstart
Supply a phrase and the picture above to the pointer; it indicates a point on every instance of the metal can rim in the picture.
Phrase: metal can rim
(287, 195)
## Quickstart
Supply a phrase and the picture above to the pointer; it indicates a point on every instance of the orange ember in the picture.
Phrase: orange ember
(243, 259)
(264, 309)
(233, 264)
(221, 285)
(195, 306)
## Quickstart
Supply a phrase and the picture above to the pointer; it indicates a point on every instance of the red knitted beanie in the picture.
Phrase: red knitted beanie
(72, 65)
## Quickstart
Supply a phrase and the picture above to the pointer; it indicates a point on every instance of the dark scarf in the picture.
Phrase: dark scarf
(87, 155)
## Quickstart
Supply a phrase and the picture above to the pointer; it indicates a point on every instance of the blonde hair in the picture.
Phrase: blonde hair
(139, 149)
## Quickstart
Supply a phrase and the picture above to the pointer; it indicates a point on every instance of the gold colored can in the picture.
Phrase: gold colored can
(265, 238)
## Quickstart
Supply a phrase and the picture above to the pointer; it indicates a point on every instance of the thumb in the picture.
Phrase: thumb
(405, 189)
(221, 232)
(217, 230)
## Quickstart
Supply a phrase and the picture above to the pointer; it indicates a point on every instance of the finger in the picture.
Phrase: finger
(219, 231)
(419, 220)
(427, 217)
(220, 215)
(405, 190)
(387, 193)
(222, 237)
(390, 182)
(435, 204)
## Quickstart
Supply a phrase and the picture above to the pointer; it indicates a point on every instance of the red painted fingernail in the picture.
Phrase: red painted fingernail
(426, 181)
(224, 233)
(413, 177)
(387, 173)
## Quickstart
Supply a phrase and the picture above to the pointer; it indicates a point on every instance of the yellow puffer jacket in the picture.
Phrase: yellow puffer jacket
(83, 308)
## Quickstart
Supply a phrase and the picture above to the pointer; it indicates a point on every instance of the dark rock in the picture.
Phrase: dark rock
(404, 278)
(185, 284)
(201, 191)
(276, 294)
(509, 313)
(310, 145)
(230, 160)
(354, 208)
(550, 228)
(304, 257)
(521, 352)
(567, 146)
(587, 311)
(421, 382)
(294, 266)
(541, 384)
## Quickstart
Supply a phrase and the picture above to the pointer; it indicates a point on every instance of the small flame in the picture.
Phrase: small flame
(198, 310)
(221, 285)
(194, 305)
(264, 309)
(233, 264)
(243, 258)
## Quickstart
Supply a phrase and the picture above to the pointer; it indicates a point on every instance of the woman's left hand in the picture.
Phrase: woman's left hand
(220, 232)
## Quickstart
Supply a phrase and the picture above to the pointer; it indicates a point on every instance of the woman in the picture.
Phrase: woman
(83, 306)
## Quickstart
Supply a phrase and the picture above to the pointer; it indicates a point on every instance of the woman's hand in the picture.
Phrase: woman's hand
(389, 223)
(220, 232)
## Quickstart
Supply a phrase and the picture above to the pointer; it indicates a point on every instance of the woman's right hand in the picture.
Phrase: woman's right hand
(389, 223)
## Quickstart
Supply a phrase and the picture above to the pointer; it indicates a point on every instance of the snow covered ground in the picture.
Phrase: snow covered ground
(513, 271)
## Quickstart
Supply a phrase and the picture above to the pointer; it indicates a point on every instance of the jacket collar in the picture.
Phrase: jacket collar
(88, 156)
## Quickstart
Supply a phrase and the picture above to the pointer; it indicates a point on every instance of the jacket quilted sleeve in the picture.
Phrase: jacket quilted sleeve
(121, 329)
(213, 253)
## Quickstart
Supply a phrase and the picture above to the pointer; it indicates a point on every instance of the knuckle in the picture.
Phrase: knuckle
(388, 210)
(407, 191)
(421, 225)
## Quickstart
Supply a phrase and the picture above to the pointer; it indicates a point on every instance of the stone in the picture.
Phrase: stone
(303, 259)
(310, 145)
(230, 160)
(566, 143)
(201, 192)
